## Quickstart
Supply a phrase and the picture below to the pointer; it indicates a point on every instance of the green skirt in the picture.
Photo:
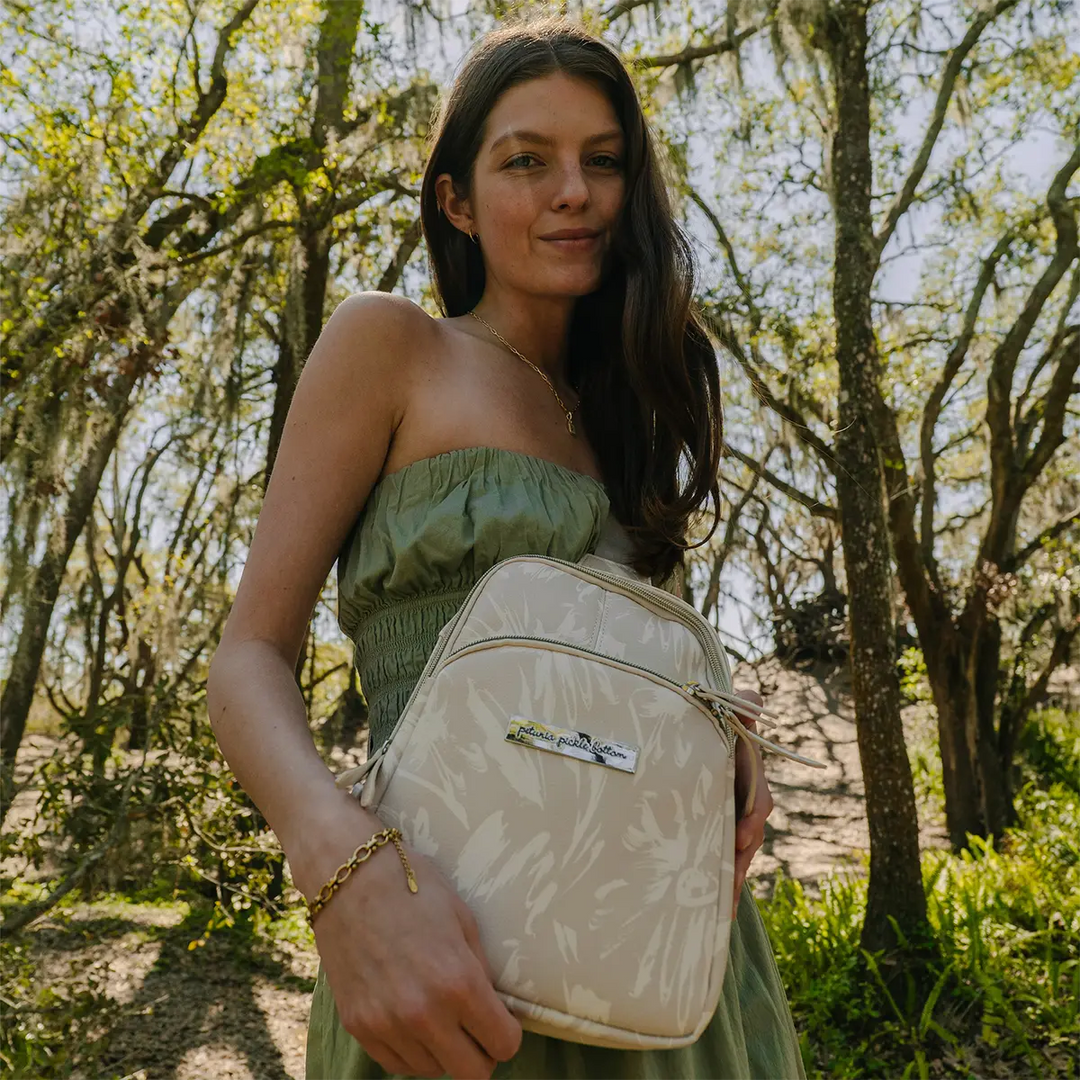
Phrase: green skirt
(750, 1037)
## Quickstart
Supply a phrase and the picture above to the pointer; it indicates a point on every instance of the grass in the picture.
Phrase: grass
(1003, 999)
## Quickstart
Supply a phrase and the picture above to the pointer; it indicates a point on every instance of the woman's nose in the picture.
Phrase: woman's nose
(572, 191)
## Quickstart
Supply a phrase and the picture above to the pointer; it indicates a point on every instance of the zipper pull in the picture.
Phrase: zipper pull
(696, 690)
(732, 722)
(733, 709)
(740, 705)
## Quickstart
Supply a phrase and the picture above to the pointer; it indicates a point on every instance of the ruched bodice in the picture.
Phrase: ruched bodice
(426, 535)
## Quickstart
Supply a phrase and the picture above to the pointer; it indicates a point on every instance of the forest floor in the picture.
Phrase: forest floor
(238, 1011)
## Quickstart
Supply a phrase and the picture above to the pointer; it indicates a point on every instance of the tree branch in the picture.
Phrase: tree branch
(1062, 332)
(815, 506)
(932, 410)
(924, 595)
(700, 52)
(785, 411)
(729, 250)
(756, 318)
(208, 104)
(958, 521)
(937, 119)
(337, 38)
(50, 325)
(712, 593)
(1052, 532)
(410, 238)
(238, 241)
(1007, 483)
(624, 7)
(1059, 653)
(1052, 407)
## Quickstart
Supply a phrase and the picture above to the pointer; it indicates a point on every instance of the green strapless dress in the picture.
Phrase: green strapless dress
(425, 536)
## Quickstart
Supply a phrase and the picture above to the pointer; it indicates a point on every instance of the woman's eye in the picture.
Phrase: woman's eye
(604, 161)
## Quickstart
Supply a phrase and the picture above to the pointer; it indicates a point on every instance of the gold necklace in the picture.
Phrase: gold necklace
(539, 371)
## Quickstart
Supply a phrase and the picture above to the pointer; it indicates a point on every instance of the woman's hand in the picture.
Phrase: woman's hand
(409, 976)
(750, 831)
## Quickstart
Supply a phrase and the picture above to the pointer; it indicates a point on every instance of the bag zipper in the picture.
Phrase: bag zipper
(728, 719)
(686, 690)
(683, 612)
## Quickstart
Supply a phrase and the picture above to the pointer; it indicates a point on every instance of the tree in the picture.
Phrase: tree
(895, 877)
(839, 34)
(89, 314)
(991, 474)
(961, 636)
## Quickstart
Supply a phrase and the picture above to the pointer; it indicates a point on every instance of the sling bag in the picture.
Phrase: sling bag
(567, 761)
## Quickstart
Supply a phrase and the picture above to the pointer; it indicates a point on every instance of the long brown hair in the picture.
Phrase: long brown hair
(639, 356)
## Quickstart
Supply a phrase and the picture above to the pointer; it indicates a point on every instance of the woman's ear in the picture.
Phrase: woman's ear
(454, 206)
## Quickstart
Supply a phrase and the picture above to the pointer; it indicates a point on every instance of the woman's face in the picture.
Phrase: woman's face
(551, 163)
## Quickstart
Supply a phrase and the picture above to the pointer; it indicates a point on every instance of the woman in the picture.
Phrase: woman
(568, 403)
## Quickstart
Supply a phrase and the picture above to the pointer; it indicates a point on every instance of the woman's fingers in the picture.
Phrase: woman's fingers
(420, 1062)
(496, 1030)
(750, 830)
(754, 698)
(461, 1056)
(749, 836)
(486, 1018)
(471, 929)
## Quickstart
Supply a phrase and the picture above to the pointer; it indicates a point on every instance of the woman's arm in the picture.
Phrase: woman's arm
(407, 970)
(345, 408)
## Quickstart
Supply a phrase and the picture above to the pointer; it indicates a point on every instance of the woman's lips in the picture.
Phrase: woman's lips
(578, 243)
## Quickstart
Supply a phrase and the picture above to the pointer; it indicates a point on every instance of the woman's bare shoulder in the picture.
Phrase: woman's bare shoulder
(389, 326)
(397, 340)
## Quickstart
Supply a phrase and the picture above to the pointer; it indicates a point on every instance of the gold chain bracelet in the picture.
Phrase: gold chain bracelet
(361, 854)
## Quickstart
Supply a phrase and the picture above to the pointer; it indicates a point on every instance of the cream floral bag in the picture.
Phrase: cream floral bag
(567, 761)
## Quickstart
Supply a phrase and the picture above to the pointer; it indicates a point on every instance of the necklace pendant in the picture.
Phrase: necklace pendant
(570, 423)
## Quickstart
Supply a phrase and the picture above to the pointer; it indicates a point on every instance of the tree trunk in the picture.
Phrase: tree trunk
(952, 694)
(141, 695)
(997, 806)
(44, 588)
(964, 680)
(895, 887)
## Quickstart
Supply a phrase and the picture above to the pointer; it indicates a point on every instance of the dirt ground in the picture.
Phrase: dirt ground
(819, 822)
(186, 1013)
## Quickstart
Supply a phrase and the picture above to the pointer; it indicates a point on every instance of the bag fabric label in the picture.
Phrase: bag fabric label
(575, 744)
